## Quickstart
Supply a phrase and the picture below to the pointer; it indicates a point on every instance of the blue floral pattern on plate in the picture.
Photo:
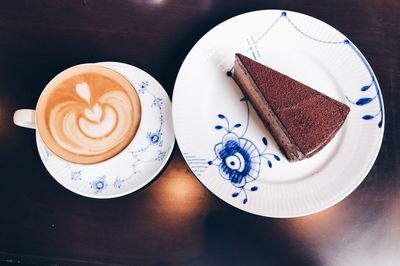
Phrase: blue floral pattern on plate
(238, 158)
(207, 107)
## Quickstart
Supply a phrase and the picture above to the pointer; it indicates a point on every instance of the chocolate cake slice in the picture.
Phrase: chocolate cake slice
(301, 119)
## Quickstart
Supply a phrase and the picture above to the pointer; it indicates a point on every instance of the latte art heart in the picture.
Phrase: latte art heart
(99, 128)
(94, 114)
(91, 116)
(95, 129)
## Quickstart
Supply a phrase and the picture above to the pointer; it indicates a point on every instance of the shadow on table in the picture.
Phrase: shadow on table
(233, 237)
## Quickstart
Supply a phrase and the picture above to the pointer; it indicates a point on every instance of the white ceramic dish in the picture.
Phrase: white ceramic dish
(139, 163)
(254, 176)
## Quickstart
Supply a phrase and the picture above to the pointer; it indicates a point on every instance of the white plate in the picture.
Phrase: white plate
(139, 163)
(207, 106)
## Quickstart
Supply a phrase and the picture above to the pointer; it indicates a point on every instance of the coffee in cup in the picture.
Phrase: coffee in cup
(88, 114)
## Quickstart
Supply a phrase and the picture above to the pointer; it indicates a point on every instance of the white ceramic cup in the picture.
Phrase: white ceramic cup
(28, 117)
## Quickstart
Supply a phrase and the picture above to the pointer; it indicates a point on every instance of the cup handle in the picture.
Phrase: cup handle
(25, 118)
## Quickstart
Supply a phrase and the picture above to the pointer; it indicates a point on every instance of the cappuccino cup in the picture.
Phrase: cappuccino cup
(87, 114)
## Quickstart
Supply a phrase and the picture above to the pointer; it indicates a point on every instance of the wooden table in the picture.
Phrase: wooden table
(175, 220)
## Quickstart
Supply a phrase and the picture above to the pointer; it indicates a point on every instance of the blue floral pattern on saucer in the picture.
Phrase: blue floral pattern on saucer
(139, 162)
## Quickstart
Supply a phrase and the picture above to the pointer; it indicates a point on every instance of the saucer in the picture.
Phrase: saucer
(209, 111)
(137, 164)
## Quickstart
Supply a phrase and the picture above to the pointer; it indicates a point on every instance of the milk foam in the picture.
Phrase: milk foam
(91, 126)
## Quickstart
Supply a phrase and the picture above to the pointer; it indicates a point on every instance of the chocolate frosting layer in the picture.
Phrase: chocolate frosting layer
(310, 118)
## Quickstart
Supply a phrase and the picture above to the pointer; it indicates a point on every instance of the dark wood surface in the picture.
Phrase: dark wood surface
(175, 220)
